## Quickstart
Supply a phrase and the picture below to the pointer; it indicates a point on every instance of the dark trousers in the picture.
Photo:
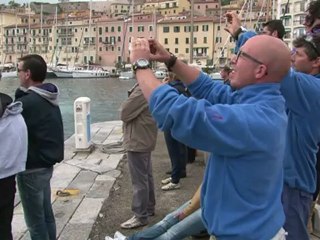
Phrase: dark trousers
(7, 192)
(178, 154)
(296, 206)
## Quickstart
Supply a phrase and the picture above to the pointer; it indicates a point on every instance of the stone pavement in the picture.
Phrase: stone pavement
(90, 177)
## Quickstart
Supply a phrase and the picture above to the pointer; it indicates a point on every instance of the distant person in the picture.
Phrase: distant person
(241, 191)
(13, 132)
(312, 19)
(225, 71)
(178, 152)
(139, 140)
(42, 115)
(274, 28)
(184, 222)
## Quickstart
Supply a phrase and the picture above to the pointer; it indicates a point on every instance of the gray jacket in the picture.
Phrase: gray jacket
(14, 138)
(139, 128)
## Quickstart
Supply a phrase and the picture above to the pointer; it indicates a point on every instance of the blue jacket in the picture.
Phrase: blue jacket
(302, 94)
(241, 192)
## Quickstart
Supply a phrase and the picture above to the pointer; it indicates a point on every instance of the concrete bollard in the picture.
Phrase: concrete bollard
(82, 121)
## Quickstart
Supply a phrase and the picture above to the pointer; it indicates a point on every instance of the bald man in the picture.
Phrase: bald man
(241, 192)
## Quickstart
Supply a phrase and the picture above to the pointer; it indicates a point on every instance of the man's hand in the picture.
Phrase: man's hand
(233, 21)
(139, 48)
(158, 52)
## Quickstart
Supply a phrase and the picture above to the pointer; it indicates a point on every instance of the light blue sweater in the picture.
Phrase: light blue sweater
(13, 141)
(302, 94)
(245, 133)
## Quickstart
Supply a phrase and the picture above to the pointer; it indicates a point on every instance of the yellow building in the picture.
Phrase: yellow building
(175, 34)
(166, 7)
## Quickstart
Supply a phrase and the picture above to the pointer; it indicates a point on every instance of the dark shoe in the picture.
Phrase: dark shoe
(201, 234)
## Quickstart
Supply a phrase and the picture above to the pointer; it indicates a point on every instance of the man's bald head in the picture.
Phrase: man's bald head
(274, 53)
(262, 59)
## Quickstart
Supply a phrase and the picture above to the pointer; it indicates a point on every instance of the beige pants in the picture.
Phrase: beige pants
(281, 235)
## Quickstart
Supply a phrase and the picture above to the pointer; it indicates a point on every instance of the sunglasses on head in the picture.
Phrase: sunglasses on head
(309, 39)
(308, 20)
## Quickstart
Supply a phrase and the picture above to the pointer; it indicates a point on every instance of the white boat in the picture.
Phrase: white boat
(63, 73)
(90, 73)
(9, 74)
(160, 74)
(125, 75)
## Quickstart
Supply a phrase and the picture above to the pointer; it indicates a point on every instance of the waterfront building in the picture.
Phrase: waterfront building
(292, 14)
(174, 33)
(114, 36)
(166, 7)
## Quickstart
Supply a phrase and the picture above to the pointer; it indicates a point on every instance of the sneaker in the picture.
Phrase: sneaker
(170, 186)
(108, 238)
(133, 222)
(119, 236)
(166, 181)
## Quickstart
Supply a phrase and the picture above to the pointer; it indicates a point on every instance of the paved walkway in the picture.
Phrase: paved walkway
(90, 175)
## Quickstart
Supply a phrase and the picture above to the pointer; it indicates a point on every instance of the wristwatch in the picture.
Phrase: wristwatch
(141, 63)
(238, 32)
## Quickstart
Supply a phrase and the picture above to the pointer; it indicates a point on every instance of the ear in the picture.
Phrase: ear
(316, 63)
(274, 33)
(261, 71)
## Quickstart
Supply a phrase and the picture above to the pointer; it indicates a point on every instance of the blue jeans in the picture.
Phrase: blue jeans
(178, 154)
(170, 228)
(296, 205)
(35, 193)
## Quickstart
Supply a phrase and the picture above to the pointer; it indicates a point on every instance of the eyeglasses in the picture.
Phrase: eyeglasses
(246, 55)
(309, 39)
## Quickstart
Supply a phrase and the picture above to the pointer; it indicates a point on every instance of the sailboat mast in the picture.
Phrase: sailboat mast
(90, 16)
(41, 34)
(191, 31)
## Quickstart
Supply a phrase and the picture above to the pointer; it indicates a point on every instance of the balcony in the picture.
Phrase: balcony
(201, 56)
(65, 34)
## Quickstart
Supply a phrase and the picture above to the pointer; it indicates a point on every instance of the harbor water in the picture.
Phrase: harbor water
(106, 96)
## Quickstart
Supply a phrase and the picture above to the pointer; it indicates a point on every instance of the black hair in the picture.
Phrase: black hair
(37, 66)
(310, 44)
(314, 9)
(275, 25)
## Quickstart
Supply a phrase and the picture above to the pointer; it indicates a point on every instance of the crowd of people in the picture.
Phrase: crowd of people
(260, 126)
(261, 176)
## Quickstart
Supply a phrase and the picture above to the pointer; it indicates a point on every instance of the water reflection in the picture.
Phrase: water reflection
(106, 97)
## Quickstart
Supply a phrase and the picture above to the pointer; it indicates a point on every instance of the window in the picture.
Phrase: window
(119, 39)
(106, 29)
(205, 28)
(176, 29)
(176, 40)
(100, 30)
(187, 28)
(166, 41)
(130, 29)
(166, 29)
(150, 28)
(194, 40)
(100, 39)
(187, 40)
(218, 28)
(205, 40)
(187, 50)
(86, 29)
(112, 29)
(217, 39)
(119, 28)
(176, 50)
(140, 28)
